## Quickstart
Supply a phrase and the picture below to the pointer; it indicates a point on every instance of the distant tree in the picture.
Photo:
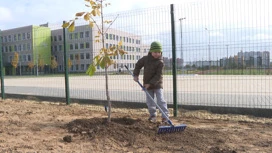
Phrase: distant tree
(15, 60)
(69, 63)
(54, 63)
(30, 65)
(103, 59)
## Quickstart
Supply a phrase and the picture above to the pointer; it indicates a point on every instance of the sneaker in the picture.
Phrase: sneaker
(152, 119)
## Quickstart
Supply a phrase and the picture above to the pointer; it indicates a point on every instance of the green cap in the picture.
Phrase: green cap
(155, 47)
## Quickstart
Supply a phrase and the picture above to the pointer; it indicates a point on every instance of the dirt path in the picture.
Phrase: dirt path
(27, 126)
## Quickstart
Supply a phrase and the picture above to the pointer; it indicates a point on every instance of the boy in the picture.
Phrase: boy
(153, 80)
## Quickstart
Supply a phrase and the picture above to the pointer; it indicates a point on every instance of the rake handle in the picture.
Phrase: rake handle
(144, 89)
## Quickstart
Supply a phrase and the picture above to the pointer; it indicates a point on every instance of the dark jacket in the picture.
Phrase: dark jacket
(152, 70)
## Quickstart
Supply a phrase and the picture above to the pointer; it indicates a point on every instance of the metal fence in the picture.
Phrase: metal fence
(222, 51)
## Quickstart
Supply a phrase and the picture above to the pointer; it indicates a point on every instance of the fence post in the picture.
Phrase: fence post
(174, 69)
(66, 67)
(1, 69)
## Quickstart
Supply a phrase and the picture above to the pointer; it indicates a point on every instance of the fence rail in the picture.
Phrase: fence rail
(222, 55)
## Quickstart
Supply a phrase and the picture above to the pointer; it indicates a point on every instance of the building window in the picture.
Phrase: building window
(70, 36)
(76, 46)
(28, 35)
(87, 34)
(77, 57)
(87, 45)
(107, 36)
(71, 56)
(87, 55)
(24, 47)
(24, 36)
(76, 35)
(82, 67)
(55, 38)
(15, 48)
(55, 48)
(29, 57)
(81, 35)
(81, 55)
(10, 58)
(81, 46)
(9, 38)
(15, 37)
(28, 46)
(60, 68)
(19, 36)
(24, 58)
(71, 47)
(72, 67)
(60, 38)
(60, 47)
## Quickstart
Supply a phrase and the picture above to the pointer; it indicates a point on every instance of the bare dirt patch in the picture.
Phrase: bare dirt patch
(31, 126)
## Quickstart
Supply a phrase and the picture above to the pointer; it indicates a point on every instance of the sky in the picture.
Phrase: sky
(18, 13)
(239, 24)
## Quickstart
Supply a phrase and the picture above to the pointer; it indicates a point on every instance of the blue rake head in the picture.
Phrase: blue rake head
(171, 129)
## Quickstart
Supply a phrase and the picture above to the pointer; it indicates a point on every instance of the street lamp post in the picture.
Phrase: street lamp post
(181, 53)
(227, 56)
(37, 64)
(209, 48)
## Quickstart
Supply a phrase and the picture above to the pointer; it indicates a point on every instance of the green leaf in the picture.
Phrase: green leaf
(91, 24)
(94, 12)
(102, 63)
(66, 24)
(91, 70)
(80, 13)
(87, 17)
(122, 52)
(98, 12)
(120, 43)
(108, 61)
(92, 2)
(71, 28)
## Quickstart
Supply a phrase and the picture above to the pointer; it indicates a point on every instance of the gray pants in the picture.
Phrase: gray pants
(160, 101)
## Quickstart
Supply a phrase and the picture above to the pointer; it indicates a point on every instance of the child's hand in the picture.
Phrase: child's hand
(136, 78)
(147, 86)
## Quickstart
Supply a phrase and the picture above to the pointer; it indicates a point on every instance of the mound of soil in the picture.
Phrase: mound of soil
(138, 133)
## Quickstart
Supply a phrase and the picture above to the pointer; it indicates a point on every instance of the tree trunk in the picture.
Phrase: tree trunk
(108, 95)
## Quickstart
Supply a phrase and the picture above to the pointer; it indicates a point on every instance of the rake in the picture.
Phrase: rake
(162, 129)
